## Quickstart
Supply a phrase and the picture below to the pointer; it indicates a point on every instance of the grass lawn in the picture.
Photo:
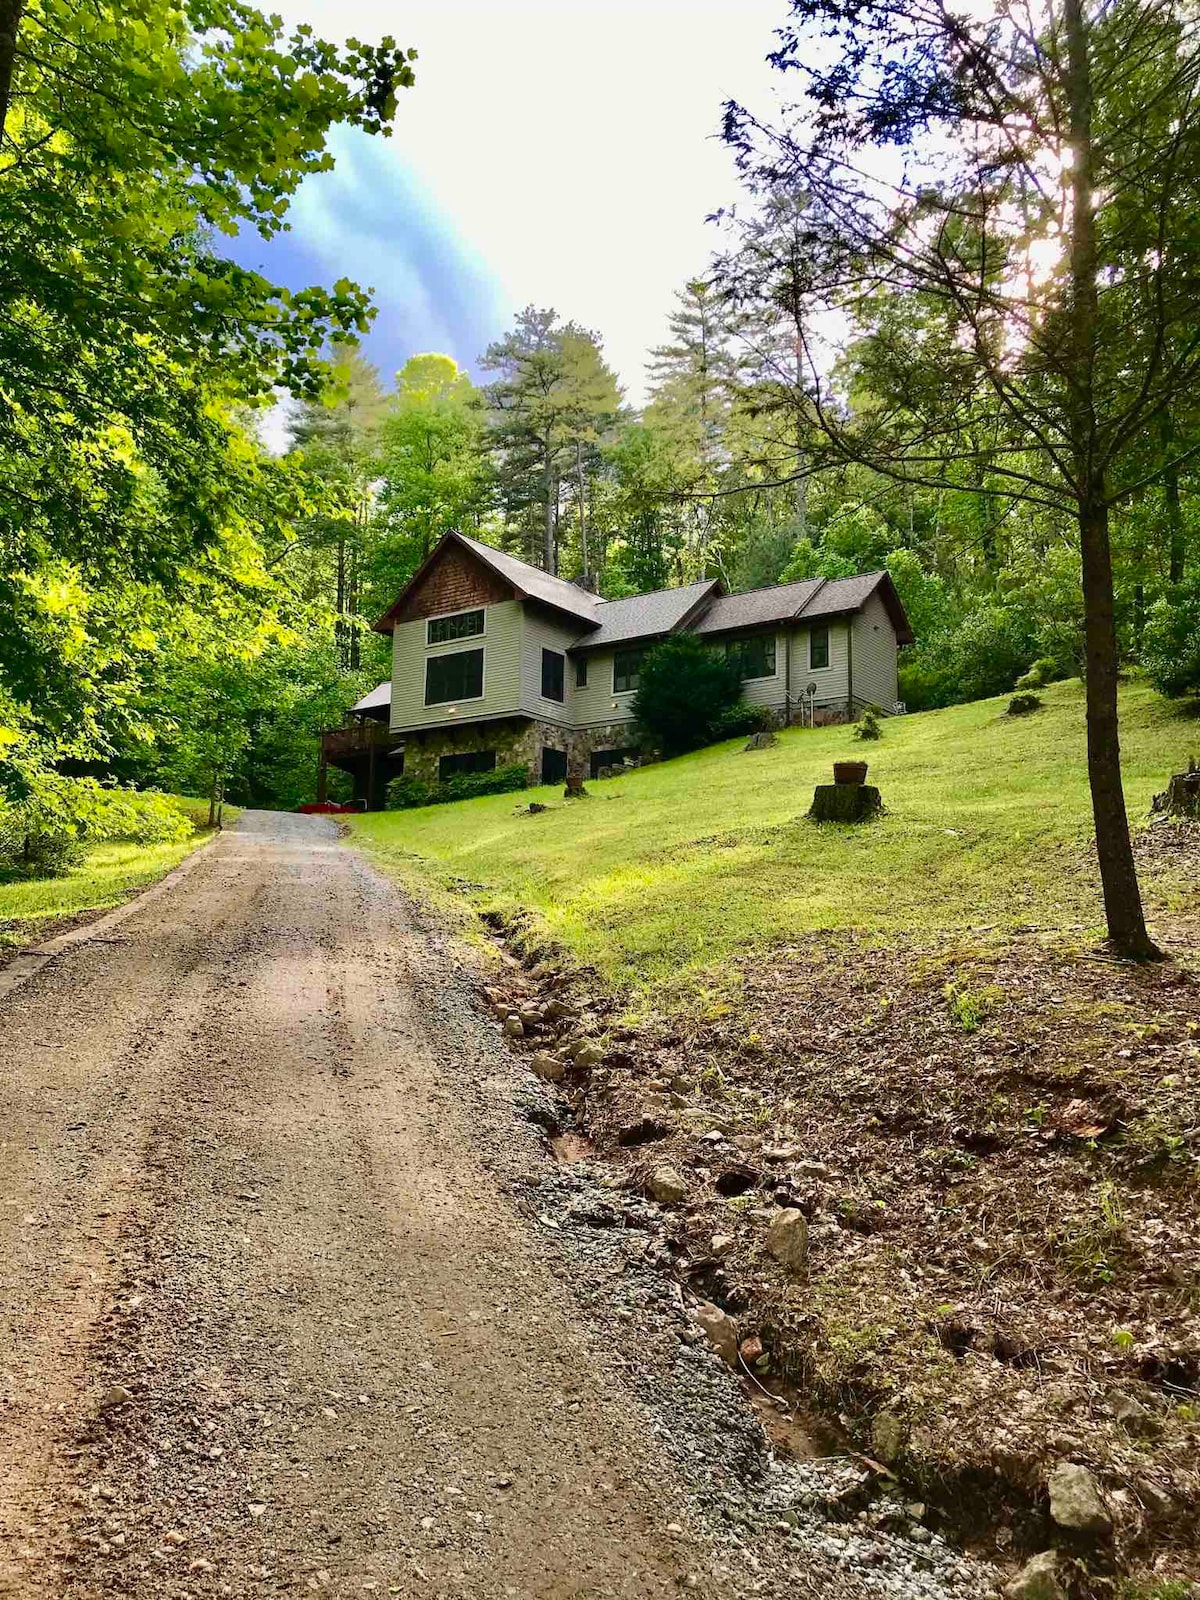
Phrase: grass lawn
(665, 873)
(111, 873)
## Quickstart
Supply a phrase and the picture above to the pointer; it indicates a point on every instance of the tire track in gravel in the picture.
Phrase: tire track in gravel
(346, 1369)
(351, 1365)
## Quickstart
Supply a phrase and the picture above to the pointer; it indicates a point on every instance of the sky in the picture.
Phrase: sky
(555, 152)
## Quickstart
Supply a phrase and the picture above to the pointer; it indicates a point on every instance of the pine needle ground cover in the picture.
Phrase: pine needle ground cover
(908, 1033)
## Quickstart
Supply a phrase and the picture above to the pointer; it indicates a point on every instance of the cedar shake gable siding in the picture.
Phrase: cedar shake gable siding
(530, 618)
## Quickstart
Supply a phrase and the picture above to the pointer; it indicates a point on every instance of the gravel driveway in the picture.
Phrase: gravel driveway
(278, 1316)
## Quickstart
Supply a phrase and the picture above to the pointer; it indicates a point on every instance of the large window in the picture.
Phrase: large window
(627, 666)
(554, 667)
(458, 676)
(818, 647)
(462, 625)
(757, 655)
(466, 761)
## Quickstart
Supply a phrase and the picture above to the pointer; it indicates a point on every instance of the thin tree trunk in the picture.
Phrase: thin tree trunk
(1171, 504)
(549, 510)
(1118, 874)
(583, 532)
(10, 26)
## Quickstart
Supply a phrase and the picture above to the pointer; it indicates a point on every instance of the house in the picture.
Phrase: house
(495, 662)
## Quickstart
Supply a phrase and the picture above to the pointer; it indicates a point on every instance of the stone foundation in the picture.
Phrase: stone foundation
(516, 740)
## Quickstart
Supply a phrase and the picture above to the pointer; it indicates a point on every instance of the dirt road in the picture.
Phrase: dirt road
(272, 1320)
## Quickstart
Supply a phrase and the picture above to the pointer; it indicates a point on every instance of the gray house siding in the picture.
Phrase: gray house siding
(501, 645)
(832, 682)
(596, 705)
(542, 632)
(875, 655)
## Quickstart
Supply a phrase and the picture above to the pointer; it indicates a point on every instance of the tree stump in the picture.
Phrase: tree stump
(845, 802)
(1182, 797)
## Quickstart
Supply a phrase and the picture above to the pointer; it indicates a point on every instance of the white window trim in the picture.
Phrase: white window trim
(466, 700)
(461, 611)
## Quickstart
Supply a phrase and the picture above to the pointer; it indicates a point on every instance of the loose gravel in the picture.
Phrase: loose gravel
(298, 1299)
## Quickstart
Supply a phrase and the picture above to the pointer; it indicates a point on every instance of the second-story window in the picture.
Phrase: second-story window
(818, 647)
(554, 666)
(457, 676)
(462, 625)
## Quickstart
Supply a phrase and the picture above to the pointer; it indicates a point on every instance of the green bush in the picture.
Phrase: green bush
(742, 720)
(1171, 647)
(49, 831)
(868, 725)
(1039, 675)
(405, 793)
(927, 686)
(685, 689)
(1021, 705)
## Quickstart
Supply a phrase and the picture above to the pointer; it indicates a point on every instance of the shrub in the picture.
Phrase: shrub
(685, 688)
(925, 685)
(1022, 704)
(406, 792)
(742, 720)
(868, 726)
(1171, 647)
(1039, 675)
(49, 831)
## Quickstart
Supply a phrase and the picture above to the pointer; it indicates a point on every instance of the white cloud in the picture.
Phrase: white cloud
(571, 145)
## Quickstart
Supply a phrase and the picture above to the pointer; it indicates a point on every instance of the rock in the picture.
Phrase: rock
(764, 740)
(118, 1395)
(787, 1239)
(1075, 1500)
(513, 1026)
(530, 1018)
(887, 1436)
(587, 1054)
(722, 1244)
(548, 1067)
(562, 1011)
(256, 1508)
(751, 1349)
(494, 997)
(201, 1565)
(1037, 1580)
(1133, 1416)
(720, 1330)
(667, 1186)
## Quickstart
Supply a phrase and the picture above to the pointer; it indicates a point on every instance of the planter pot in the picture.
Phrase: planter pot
(854, 772)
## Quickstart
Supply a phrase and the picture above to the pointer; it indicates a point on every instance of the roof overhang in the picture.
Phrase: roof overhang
(387, 622)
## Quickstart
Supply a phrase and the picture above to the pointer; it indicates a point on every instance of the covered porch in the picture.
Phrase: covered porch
(364, 747)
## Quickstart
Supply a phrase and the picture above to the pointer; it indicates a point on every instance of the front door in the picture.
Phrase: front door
(554, 765)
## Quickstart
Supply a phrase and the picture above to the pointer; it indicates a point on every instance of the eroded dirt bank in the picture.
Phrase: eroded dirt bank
(278, 1315)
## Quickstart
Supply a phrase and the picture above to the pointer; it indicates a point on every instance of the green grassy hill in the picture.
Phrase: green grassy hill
(667, 871)
(33, 908)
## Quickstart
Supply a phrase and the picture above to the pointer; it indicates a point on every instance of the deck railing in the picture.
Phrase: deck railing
(356, 739)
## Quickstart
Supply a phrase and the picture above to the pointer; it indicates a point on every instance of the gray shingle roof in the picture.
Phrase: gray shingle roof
(756, 607)
(538, 585)
(644, 616)
(378, 699)
(812, 597)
